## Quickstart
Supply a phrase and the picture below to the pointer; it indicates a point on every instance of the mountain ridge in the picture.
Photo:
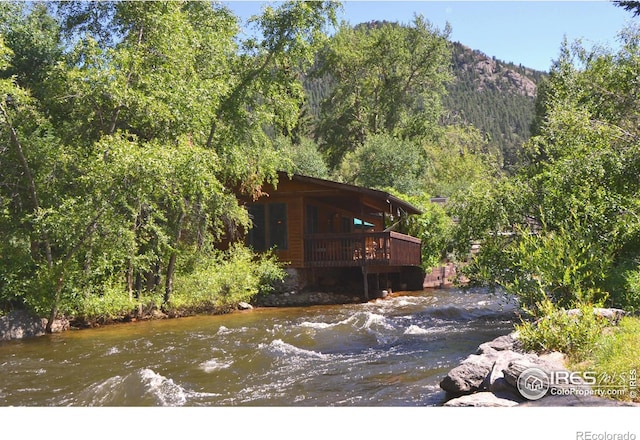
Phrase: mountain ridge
(495, 96)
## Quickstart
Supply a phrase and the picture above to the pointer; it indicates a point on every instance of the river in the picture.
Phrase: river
(390, 352)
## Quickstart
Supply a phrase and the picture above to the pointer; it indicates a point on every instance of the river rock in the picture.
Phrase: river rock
(501, 343)
(19, 324)
(483, 399)
(495, 380)
(469, 376)
(517, 366)
(59, 325)
(244, 306)
(613, 315)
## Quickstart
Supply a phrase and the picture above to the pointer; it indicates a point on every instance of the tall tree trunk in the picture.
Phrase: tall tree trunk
(88, 232)
(129, 279)
(30, 180)
(171, 267)
(54, 310)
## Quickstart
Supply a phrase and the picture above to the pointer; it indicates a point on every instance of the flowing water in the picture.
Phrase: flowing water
(390, 352)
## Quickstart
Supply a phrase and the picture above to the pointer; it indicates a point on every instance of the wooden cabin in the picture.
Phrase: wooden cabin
(319, 226)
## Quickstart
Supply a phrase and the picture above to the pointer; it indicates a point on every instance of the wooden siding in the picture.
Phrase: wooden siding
(294, 254)
(336, 241)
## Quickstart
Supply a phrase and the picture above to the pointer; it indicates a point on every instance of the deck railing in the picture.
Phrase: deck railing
(363, 248)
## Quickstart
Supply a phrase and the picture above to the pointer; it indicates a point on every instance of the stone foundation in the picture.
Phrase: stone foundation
(293, 299)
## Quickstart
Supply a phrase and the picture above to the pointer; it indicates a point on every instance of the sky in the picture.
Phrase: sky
(523, 32)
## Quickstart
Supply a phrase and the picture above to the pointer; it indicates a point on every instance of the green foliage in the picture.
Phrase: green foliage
(560, 266)
(34, 38)
(565, 226)
(109, 306)
(493, 100)
(434, 227)
(301, 158)
(128, 129)
(223, 279)
(265, 94)
(575, 335)
(616, 358)
(385, 78)
(458, 158)
(385, 162)
(623, 285)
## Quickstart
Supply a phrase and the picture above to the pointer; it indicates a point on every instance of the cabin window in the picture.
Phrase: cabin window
(346, 224)
(362, 225)
(278, 225)
(269, 226)
(257, 236)
(312, 220)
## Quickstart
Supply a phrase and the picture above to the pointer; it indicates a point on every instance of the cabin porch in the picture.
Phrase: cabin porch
(387, 248)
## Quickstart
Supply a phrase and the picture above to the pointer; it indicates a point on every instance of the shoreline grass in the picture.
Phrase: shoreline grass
(615, 359)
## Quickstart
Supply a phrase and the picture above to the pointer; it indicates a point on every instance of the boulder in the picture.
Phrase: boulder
(469, 376)
(483, 399)
(59, 325)
(501, 343)
(496, 381)
(519, 365)
(613, 315)
(20, 324)
(244, 306)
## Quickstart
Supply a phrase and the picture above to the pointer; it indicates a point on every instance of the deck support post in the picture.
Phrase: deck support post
(365, 276)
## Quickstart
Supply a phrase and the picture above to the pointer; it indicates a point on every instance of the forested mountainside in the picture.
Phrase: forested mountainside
(495, 96)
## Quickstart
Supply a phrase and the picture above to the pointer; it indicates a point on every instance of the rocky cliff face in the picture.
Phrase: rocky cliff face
(490, 74)
(495, 96)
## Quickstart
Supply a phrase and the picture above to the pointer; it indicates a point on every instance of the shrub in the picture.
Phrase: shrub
(628, 297)
(623, 285)
(113, 304)
(224, 279)
(564, 266)
(575, 335)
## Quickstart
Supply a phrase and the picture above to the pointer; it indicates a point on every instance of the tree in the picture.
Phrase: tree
(265, 90)
(385, 78)
(112, 169)
(456, 159)
(34, 39)
(302, 158)
(434, 227)
(632, 6)
(565, 228)
(385, 162)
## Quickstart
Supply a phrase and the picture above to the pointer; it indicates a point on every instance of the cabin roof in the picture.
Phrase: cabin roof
(374, 195)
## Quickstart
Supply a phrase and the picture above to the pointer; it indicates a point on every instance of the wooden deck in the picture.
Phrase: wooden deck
(361, 249)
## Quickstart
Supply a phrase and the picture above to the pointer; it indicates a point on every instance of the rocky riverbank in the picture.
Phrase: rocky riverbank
(293, 299)
(21, 324)
(489, 378)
